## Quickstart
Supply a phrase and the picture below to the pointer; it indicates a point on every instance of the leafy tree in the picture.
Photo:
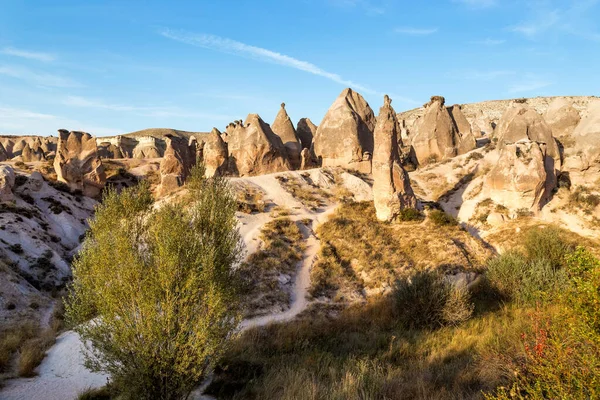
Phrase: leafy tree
(154, 293)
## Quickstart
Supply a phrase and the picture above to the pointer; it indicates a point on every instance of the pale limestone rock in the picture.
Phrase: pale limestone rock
(7, 182)
(284, 128)
(254, 149)
(391, 185)
(77, 162)
(345, 136)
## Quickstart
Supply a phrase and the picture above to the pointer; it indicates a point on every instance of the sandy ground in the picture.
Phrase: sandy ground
(62, 375)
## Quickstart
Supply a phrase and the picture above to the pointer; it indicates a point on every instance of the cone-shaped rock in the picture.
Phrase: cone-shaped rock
(562, 117)
(521, 178)
(306, 131)
(587, 139)
(176, 164)
(436, 136)
(466, 138)
(3, 153)
(391, 185)
(284, 128)
(482, 125)
(77, 162)
(254, 149)
(345, 136)
(7, 182)
(214, 153)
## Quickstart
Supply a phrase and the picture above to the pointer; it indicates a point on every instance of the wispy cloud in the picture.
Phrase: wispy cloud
(529, 86)
(477, 3)
(230, 46)
(540, 24)
(40, 79)
(31, 55)
(368, 6)
(406, 30)
(145, 111)
(22, 121)
(489, 42)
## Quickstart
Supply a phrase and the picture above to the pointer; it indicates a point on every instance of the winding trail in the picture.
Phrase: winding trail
(62, 375)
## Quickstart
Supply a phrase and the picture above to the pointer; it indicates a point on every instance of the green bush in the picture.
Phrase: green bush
(427, 301)
(410, 214)
(548, 245)
(441, 218)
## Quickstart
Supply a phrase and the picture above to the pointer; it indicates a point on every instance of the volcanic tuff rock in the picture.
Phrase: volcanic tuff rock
(306, 130)
(30, 155)
(77, 162)
(254, 149)
(3, 153)
(562, 117)
(481, 124)
(7, 182)
(284, 128)
(391, 185)
(466, 140)
(345, 136)
(436, 135)
(586, 152)
(148, 147)
(214, 153)
(176, 164)
(521, 178)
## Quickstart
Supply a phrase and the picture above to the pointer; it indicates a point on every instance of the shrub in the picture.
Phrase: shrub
(548, 245)
(102, 393)
(16, 248)
(20, 180)
(410, 214)
(12, 338)
(427, 300)
(162, 286)
(33, 352)
(441, 218)
(475, 156)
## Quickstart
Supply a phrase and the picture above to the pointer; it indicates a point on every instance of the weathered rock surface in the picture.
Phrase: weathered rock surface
(214, 153)
(284, 128)
(345, 136)
(254, 149)
(466, 138)
(178, 161)
(481, 125)
(391, 185)
(562, 117)
(77, 162)
(7, 182)
(522, 177)
(3, 153)
(436, 135)
(524, 123)
(31, 155)
(35, 183)
(306, 131)
(586, 151)
(149, 147)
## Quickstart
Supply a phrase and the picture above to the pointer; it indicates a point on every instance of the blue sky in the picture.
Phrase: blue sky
(111, 67)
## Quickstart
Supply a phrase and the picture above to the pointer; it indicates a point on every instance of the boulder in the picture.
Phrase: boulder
(562, 117)
(284, 128)
(176, 164)
(495, 219)
(7, 182)
(345, 136)
(214, 153)
(391, 185)
(77, 163)
(522, 177)
(254, 149)
(466, 139)
(436, 136)
(306, 131)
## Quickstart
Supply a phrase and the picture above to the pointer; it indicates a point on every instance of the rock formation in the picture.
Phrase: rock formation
(284, 128)
(524, 123)
(586, 151)
(176, 164)
(3, 153)
(391, 185)
(345, 136)
(521, 178)
(306, 131)
(481, 125)
(31, 155)
(7, 182)
(436, 136)
(562, 117)
(148, 147)
(254, 149)
(35, 182)
(214, 153)
(466, 139)
(77, 162)
(308, 159)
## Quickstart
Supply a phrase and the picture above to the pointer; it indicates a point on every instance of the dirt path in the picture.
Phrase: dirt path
(62, 375)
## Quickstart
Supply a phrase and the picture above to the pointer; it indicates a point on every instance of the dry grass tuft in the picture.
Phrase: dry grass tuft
(310, 197)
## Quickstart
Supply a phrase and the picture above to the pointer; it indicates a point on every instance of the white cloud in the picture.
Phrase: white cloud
(367, 6)
(542, 23)
(489, 42)
(145, 111)
(230, 46)
(477, 3)
(31, 55)
(41, 79)
(416, 31)
(528, 86)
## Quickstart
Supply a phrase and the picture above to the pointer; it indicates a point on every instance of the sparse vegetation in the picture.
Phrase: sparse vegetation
(439, 217)
(582, 198)
(250, 199)
(301, 191)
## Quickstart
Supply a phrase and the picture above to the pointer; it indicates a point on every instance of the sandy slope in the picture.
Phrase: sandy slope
(62, 375)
